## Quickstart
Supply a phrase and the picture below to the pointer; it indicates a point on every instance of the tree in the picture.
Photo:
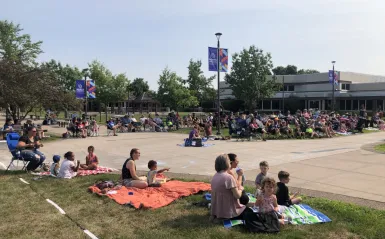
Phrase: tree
(25, 84)
(139, 86)
(292, 70)
(17, 47)
(288, 70)
(248, 78)
(200, 86)
(173, 93)
(67, 75)
(307, 71)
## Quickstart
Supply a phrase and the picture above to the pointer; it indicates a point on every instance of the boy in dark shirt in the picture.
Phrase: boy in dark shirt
(283, 197)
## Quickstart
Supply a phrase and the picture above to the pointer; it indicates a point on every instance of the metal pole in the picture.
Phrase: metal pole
(219, 102)
(85, 94)
(283, 95)
(333, 103)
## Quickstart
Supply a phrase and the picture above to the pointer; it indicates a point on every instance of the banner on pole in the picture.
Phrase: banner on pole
(91, 88)
(333, 78)
(223, 66)
(213, 59)
(79, 89)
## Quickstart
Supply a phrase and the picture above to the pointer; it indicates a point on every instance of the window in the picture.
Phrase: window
(342, 105)
(345, 86)
(288, 88)
(369, 105)
(275, 104)
(362, 102)
(348, 104)
(379, 104)
(355, 105)
(267, 104)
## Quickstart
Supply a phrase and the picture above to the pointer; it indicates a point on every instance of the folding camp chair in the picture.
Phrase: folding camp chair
(12, 141)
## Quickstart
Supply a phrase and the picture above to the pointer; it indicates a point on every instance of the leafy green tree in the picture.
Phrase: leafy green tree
(307, 71)
(138, 86)
(17, 47)
(25, 84)
(248, 78)
(292, 70)
(67, 75)
(200, 86)
(173, 93)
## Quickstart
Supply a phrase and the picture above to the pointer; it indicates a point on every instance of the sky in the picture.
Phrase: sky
(141, 38)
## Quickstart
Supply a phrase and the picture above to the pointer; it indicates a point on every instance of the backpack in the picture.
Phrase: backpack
(187, 142)
(105, 184)
(261, 222)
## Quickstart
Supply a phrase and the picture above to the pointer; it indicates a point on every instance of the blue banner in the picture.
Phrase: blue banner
(80, 89)
(213, 59)
(331, 78)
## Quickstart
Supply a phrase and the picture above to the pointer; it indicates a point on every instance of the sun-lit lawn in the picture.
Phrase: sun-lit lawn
(380, 148)
(26, 214)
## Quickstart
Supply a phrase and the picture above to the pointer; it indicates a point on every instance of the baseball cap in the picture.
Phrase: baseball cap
(56, 158)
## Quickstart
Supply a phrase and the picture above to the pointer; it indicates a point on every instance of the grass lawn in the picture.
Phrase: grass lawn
(26, 214)
(380, 148)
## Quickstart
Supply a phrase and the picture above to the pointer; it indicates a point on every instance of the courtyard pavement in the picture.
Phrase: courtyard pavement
(338, 165)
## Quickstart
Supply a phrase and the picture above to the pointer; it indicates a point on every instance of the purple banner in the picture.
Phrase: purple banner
(80, 89)
(335, 77)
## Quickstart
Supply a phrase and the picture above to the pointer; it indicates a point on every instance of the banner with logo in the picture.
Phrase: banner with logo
(213, 59)
(335, 77)
(91, 89)
(79, 89)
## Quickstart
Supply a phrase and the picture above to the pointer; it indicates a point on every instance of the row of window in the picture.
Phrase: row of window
(356, 104)
(287, 88)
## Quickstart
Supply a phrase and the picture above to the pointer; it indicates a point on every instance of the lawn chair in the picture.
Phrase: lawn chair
(109, 129)
(12, 141)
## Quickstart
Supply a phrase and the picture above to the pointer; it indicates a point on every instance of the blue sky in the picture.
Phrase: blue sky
(140, 38)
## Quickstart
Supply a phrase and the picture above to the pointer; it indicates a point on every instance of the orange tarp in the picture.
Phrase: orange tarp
(154, 197)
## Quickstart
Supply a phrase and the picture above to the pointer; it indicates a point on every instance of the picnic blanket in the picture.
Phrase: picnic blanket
(204, 145)
(344, 133)
(154, 197)
(301, 214)
(98, 170)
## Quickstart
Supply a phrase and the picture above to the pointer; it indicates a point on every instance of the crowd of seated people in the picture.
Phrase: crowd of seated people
(306, 123)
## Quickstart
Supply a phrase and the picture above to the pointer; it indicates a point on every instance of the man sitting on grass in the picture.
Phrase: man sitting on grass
(283, 197)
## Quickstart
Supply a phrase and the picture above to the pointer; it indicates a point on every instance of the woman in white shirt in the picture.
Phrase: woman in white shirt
(68, 168)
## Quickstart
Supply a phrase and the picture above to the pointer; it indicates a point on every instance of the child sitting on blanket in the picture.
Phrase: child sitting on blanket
(266, 200)
(91, 160)
(283, 197)
(151, 175)
(55, 167)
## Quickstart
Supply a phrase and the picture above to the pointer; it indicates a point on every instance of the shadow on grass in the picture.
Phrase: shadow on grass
(12, 172)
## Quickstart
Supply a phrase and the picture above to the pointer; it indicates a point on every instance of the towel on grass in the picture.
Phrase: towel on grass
(344, 133)
(81, 172)
(154, 197)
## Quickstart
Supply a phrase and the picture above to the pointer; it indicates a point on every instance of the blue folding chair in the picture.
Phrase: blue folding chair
(12, 141)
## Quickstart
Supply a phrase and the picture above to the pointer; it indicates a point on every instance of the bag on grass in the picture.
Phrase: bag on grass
(105, 184)
(261, 222)
(187, 142)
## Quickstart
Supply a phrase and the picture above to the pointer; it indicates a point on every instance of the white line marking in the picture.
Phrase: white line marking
(24, 181)
(3, 165)
(90, 234)
(57, 206)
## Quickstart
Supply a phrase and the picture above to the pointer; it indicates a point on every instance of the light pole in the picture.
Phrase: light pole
(334, 91)
(218, 35)
(85, 72)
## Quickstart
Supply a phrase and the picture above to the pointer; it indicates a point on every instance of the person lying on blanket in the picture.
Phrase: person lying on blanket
(129, 176)
(91, 160)
(151, 175)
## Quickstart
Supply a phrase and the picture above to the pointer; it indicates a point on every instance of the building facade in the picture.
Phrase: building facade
(314, 91)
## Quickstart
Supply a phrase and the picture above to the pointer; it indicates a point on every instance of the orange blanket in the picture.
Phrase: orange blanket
(154, 197)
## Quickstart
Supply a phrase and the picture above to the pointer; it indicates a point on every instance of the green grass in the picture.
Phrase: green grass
(380, 148)
(26, 214)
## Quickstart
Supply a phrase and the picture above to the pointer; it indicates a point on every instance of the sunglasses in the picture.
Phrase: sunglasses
(34, 131)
